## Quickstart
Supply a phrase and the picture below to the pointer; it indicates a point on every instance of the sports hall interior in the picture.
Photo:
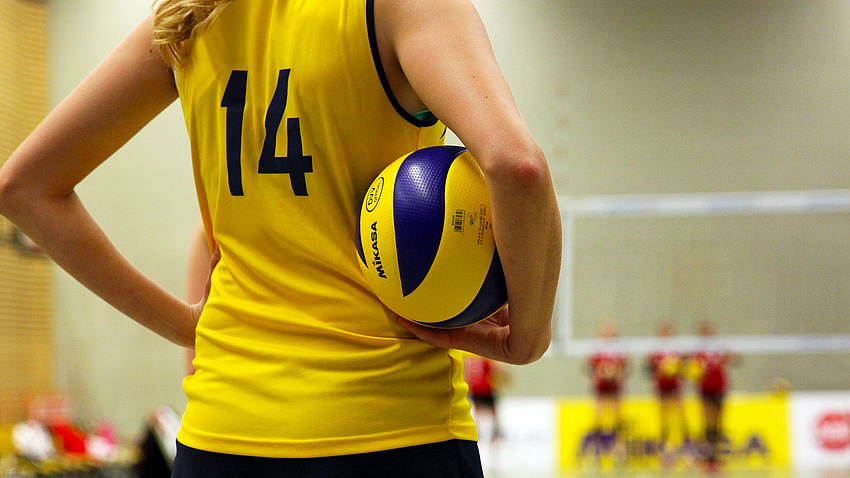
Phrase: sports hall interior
(699, 151)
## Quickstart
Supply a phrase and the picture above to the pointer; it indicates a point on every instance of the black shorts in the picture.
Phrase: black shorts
(485, 400)
(611, 394)
(713, 398)
(449, 459)
(668, 393)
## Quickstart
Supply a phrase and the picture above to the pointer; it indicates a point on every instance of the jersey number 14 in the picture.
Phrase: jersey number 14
(295, 163)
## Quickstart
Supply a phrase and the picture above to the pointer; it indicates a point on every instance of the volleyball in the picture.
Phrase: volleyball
(425, 239)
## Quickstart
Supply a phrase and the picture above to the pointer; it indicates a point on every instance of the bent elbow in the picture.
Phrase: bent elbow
(532, 352)
(533, 172)
(539, 352)
(532, 356)
(525, 168)
(8, 193)
(14, 195)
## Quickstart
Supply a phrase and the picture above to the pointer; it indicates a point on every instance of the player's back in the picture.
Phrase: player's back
(290, 123)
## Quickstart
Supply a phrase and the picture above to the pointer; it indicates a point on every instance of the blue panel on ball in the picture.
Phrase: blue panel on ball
(419, 209)
(491, 297)
(359, 242)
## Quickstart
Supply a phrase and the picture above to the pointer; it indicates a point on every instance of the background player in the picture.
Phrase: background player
(666, 367)
(485, 378)
(607, 368)
(709, 369)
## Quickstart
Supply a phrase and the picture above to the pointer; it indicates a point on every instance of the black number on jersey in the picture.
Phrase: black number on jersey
(295, 163)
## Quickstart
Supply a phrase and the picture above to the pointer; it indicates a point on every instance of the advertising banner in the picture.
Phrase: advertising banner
(821, 429)
(754, 434)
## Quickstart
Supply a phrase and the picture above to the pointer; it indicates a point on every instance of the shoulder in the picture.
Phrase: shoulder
(440, 22)
(405, 10)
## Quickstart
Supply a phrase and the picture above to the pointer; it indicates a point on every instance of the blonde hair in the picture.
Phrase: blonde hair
(177, 22)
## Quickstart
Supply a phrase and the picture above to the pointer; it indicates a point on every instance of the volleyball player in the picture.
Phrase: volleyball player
(666, 366)
(710, 364)
(607, 368)
(292, 108)
(484, 378)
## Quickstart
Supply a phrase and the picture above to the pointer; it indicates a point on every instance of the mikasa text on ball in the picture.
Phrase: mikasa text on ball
(426, 241)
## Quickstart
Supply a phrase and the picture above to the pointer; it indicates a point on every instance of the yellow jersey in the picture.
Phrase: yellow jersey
(290, 119)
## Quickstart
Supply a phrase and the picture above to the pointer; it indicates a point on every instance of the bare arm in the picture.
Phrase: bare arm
(198, 272)
(37, 183)
(198, 267)
(438, 54)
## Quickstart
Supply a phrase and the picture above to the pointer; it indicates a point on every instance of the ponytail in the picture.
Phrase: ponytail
(177, 22)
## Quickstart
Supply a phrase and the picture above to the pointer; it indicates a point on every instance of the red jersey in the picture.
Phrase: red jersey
(712, 365)
(666, 368)
(478, 373)
(607, 371)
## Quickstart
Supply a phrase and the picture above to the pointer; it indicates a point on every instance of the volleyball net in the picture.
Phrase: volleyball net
(770, 269)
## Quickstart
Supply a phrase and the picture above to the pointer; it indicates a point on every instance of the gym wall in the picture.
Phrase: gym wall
(26, 338)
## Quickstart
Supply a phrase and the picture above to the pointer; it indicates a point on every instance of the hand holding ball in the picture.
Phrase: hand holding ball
(425, 239)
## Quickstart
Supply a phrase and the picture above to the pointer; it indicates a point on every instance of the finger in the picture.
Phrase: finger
(436, 337)
(414, 328)
(501, 316)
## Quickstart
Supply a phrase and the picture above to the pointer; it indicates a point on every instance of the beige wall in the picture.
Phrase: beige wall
(646, 97)
(625, 97)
